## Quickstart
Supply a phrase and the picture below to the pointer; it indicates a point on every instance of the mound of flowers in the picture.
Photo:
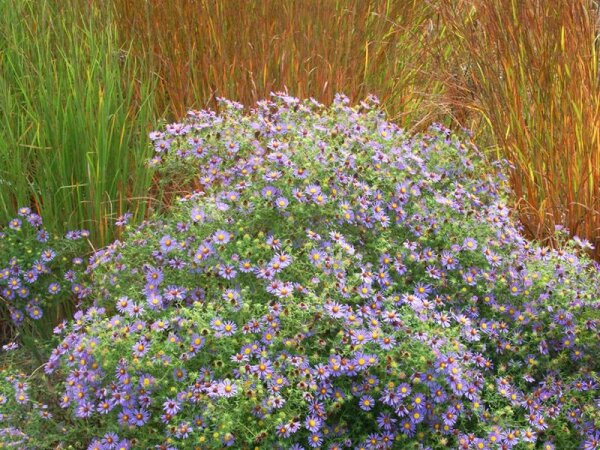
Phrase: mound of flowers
(333, 283)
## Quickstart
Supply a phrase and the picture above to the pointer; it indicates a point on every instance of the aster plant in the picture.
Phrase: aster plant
(17, 407)
(38, 271)
(334, 283)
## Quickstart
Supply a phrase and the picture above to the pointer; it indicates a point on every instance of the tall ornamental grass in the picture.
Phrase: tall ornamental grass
(244, 50)
(531, 74)
(75, 109)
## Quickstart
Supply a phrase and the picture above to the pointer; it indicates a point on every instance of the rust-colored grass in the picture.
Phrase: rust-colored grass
(531, 73)
(244, 49)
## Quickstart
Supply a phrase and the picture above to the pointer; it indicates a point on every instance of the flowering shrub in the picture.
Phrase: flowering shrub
(334, 284)
(36, 268)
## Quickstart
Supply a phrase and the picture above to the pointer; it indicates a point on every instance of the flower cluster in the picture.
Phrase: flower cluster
(37, 268)
(17, 409)
(333, 283)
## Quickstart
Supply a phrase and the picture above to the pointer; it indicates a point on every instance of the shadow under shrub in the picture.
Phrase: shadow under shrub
(335, 284)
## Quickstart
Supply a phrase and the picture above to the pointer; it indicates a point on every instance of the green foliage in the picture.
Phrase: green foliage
(75, 111)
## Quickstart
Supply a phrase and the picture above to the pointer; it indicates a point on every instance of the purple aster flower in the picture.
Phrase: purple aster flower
(469, 244)
(282, 202)
(284, 290)
(105, 406)
(110, 440)
(315, 439)
(140, 417)
(408, 428)
(313, 423)
(232, 146)
(227, 271)
(592, 440)
(183, 430)
(282, 430)
(54, 288)
(336, 310)
(197, 215)
(35, 220)
(154, 276)
(154, 301)
(264, 368)
(365, 290)
(386, 421)
(269, 192)
(35, 312)
(221, 237)
(171, 407)
(226, 388)
(228, 440)
(217, 324)
(246, 266)
(160, 145)
(30, 276)
(179, 374)
(204, 251)
(511, 439)
(403, 390)
(387, 342)
(449, 261)
(123, 304)
(15, 224)
(366, 402)
(479, 443)
(417, 415)
(231, 295)
(135, 310)
(16, 315)
(21, 397)
(95, 445)
(123, 444)
(167, 244)
(85, 409)
(196, 341)
(8, 347)
(174, 293)
(14, 283)
(229, 328)
(124, 219)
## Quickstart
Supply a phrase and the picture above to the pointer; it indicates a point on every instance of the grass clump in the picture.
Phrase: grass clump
(245, 50)
(75, 112)
(531, 74)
